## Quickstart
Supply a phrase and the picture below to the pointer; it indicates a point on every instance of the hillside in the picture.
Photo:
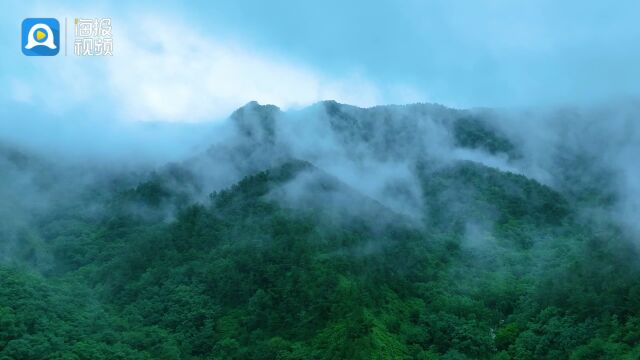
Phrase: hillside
(411, 235)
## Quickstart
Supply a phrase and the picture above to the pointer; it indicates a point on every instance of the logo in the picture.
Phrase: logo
(40, 37)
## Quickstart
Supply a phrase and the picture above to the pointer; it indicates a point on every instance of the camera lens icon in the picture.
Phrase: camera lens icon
(40, 37)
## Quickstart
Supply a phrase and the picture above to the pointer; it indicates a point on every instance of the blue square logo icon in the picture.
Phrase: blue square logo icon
(40, 37)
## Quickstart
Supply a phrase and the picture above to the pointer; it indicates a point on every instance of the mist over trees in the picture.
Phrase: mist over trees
(334, 232)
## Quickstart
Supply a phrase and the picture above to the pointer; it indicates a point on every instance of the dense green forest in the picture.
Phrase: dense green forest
(496, 265)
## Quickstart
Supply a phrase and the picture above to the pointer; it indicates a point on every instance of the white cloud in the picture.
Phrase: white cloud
(165, 70)
(169, 71)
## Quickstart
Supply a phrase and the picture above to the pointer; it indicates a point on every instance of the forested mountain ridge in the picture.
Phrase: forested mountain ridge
(307, 251)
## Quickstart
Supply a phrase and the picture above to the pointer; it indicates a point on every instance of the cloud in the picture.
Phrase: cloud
(167, 70)
(588, 153)
(175, 72)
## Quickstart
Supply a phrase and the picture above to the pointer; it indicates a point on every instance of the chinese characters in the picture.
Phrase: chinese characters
(93, 37)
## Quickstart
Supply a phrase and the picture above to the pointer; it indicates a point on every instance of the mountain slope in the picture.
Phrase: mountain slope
(298, 261)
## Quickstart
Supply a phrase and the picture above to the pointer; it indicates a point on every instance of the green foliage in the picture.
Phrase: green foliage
(471, 132)
(245, 277)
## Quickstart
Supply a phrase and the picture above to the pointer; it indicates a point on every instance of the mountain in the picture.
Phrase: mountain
(330, 232)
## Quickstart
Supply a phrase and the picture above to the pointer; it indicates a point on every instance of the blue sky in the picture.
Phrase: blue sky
(197, 61)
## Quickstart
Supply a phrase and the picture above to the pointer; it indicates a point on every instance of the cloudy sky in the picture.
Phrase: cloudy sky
(197, 62)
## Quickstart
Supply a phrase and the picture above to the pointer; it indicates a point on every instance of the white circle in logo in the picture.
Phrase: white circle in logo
(32, 42)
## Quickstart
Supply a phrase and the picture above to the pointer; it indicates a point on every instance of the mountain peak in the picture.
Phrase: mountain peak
(254, 107)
